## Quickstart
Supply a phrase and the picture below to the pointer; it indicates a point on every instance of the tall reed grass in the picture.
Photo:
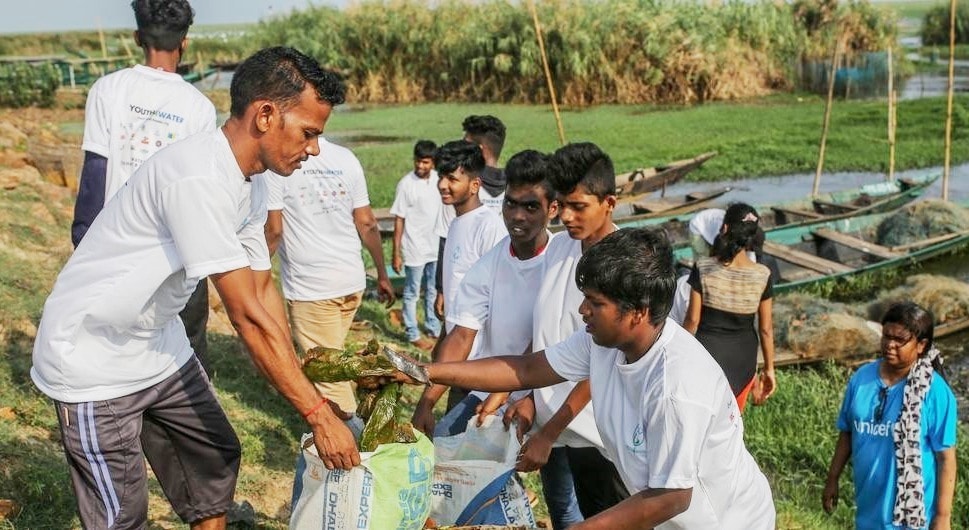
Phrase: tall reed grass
(600, 51)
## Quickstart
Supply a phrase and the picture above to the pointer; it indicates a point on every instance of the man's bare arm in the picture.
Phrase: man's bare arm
(274, 230)
(497, 374)
(272, 352)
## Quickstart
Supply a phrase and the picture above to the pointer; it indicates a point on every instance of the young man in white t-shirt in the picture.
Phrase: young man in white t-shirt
(496, 296)
(320, 219)
(475, 230)
(110, 352)
(666, 413)
(132, 113)
(417, 206)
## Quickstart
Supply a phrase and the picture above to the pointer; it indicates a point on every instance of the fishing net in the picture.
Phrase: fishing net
(947, 298)
(920, 221)
(379, 405)
(814, 327)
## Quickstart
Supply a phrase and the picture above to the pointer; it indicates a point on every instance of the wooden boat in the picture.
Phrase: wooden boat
(868, 199)
(645, 180)
(841, 249)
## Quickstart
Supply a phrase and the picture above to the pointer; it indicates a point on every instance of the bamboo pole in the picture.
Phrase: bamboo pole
(948, 113)
(827, 112)
(548, 72)
(892, 117)
(104, 45)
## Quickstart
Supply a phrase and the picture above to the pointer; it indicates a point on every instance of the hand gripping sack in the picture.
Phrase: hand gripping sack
(474, 478)
(389, 490)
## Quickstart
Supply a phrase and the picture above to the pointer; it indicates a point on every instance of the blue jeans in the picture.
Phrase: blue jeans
(559, 490)
(456, 420)
(412, 292)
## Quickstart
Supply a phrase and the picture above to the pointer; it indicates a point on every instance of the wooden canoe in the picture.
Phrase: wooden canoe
(645, 180)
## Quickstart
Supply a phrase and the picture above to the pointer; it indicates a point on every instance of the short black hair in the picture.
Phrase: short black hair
(486, 130)
(584, 163)
(280, 74)
(162, 24)
(531, 168)
(424, 149)
(632, 267)
(459, 153)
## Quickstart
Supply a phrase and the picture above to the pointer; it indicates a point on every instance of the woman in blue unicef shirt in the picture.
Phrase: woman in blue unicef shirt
(898, 424)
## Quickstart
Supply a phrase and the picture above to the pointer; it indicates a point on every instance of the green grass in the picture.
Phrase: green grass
(769, 136)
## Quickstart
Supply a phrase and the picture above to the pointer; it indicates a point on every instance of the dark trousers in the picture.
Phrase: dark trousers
(195, 317)
(598, 485)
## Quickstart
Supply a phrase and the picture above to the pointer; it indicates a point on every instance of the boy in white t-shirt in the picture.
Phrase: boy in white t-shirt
(131, 114)
(663, 406)
(417, 206)
(496, 296)
(110, 352)
(475, 230)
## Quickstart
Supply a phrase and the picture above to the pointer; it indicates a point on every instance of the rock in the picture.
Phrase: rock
(241, 513)
(7, 413)
(11, 137)
(12, 158)
(10, 178)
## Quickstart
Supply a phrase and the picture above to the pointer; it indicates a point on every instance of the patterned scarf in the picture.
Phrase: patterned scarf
(909, 502)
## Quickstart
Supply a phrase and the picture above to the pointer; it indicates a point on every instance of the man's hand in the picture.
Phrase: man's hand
(534, 452)
(522, 414)
(385, 291)
(439, 305)
(333, 439)
(423, 419)
(397, 263)
(829, 497)
(490, 405)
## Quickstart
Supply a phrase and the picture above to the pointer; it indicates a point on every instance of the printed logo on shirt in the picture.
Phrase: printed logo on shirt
(871, 428)
(154, 113)
(637, 441)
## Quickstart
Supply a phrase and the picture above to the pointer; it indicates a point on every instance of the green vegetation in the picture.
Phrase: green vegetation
(23, 85)
(935, 25)
(767, 136)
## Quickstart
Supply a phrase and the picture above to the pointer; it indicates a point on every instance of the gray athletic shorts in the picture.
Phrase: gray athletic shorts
(177, 425)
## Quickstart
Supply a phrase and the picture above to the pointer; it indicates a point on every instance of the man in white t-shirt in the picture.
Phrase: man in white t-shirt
(496, 296)
(417, 206)
(111, 353)
(318, 218)
(132, 113)
(664, 408)
(475, 230)
(489, 134)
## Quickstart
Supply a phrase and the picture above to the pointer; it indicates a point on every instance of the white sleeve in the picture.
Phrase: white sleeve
(675, 430)
(274, 191)
(399, 208)
(191, 203)
(359, 182)
(472, 305)
(493, 233)
(252, 235)
(97, 122)
(208, 116)
(570, 358)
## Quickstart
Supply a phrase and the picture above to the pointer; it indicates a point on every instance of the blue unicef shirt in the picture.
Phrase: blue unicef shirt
(873, 446)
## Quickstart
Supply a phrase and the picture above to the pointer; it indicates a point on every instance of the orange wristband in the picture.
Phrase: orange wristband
(323, 401)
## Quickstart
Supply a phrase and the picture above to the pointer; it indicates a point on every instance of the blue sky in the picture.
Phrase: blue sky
(63, 15)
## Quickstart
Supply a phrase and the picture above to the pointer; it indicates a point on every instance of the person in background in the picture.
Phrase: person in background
(131, 114)
(496, 296)
(898, 426)
(475, 231)
(319, 220)
(488, 133)
(729, 292)
(417, 205)
(667, 416)
(110, 352)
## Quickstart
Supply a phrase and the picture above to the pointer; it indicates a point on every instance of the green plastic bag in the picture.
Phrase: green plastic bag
(389, 490)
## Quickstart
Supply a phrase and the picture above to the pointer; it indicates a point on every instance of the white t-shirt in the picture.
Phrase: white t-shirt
(132, 113)
(110, 326)
(471, 236)
(496, 298)
(320, 248)
(681, 299)
(418, 202)
(448, 214)
(554, 319)
(669, 420)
